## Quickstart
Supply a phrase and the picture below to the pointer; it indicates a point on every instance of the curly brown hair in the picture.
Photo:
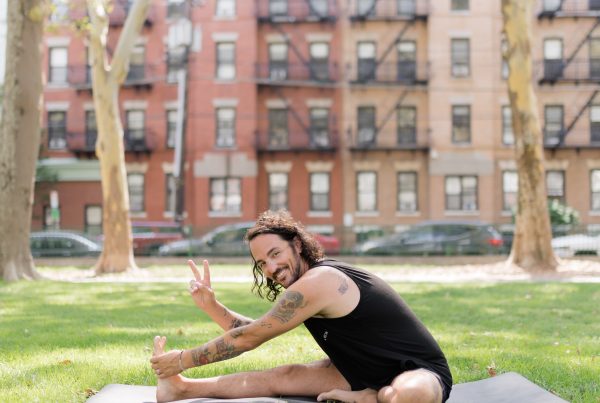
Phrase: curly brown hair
(281, 223)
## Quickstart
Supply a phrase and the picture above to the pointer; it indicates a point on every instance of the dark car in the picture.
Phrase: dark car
(228, 240)
(437, 238)
(62, 244)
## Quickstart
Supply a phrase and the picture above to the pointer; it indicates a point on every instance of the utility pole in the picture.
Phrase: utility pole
(179, 43)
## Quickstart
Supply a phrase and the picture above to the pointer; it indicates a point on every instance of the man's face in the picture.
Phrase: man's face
(278, 259)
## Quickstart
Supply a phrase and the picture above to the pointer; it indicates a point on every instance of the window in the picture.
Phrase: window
(366, 8)
(176, 59)
(406, 7)
(137, 63)
(461, 193)
(366, 191)
(93, 220)
(407, 56)
(225, 195)
(278, 7)
(595, 189)
(278, 191)
(595, 58)
(58, 69)
(278, 61)
(60, 12)
(459, 5)
(135, 131)
(171, 127)
(319, 61)
(366, 125)
(552, 5)
(319, 127)
(278, 128)
(510, 188)
(553, 124)
(407, 125)
(225, 136)
(508, 137)
(461, 124)
(225, 8)
(136, 192)
(460, 58)
(555, 185)
(318, 8)
(595, 124)
(366, 63)
(226, 61)
(177, 8)
(407, 192)
(170, 193)
(505, 67)
(553, 63)
(319, 191)
(57, 130)
(91, 130)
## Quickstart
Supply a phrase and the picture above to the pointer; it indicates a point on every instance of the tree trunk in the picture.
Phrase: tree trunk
(117, 254)
(531, 249)
(20, 136)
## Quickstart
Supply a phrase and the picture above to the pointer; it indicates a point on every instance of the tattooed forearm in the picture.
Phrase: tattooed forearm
(286, 308)
(235, 333)
(224, 351)
(236, 322)
(343, 286)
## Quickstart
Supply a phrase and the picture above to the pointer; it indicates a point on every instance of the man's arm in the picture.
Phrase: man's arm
(204, 298)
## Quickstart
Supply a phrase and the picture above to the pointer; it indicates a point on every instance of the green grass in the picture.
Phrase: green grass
(58, 339)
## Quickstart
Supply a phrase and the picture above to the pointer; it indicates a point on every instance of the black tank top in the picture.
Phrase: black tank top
(380, 338)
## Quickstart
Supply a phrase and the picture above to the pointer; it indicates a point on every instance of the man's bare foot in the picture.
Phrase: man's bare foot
(167, 389)
(361, 396)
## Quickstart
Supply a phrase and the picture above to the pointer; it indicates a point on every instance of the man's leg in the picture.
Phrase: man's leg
(298, 379)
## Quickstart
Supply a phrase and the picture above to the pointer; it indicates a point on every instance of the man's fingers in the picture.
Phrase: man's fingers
(206, 271)
(195, 270)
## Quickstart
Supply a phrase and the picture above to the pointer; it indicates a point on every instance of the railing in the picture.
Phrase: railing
(299, 72)
(580, 138)
(139, 140)
(388, 9)
(568, 8)
(80, 76)
(298, 140)
(82, 142)
(554, 70)
(400, 73)
(296, 10)
(389, 139)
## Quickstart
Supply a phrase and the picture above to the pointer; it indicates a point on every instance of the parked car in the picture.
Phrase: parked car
(62, 244)
(437, 238)
(228, 240)
(577, 244)
(148, 236)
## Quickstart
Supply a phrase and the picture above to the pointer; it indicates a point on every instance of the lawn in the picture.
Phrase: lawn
(60, 341)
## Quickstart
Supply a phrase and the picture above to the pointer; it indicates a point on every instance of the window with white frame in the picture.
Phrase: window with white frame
(552, 5)
(170, 193)
(225, 136)
(278, 127)
(407, 192)
(319, 61)
(319, 127)
(366, 191)
(171, 117)
(278, 190)
(460, 54)
(225, 61)
(57, 130)
(137, 63)
(135, 182)
(366, 125)
(553, 124)
(461, 193)
(278, 7)
(225, 8)
(555, 185)
(510, 189)
(278, 61)
(135, 132)
(407, 125)
(459, 5)
(461, 124)
(508, 136)
(93, 220)
(319, 191)
(366, 62)
(58, 65)
(595, 190)
(595, 124)
(226, 195)
(553, 58)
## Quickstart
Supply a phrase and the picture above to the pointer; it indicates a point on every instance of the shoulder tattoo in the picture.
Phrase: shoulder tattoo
(343, 286)
(286, 308)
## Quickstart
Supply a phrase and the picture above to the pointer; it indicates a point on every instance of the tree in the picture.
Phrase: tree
(531, 248)
(20, 135)
(107, 77)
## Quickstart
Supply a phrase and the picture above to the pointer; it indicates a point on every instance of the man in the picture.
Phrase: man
(378, 351)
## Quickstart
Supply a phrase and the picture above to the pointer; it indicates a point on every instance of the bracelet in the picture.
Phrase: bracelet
(181, 363)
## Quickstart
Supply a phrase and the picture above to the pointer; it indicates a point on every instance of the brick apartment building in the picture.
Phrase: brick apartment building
(360, 116)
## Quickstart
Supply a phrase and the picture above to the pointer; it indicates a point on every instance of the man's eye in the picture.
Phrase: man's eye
(276, 253)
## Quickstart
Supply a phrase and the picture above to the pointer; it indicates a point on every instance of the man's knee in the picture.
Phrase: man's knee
(411, 387)
(280, 376)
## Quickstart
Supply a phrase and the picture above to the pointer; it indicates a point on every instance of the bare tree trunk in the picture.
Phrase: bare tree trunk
(531, 249)
(117, 254)
(20, 136)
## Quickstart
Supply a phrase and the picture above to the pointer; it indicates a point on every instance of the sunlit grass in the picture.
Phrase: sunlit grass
(58, 339)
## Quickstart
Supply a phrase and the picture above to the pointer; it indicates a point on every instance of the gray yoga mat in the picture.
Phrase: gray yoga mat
(506, 388)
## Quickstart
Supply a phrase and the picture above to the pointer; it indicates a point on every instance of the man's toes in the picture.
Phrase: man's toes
(159, 344)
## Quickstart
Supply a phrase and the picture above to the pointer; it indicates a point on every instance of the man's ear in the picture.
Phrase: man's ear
(297, 244)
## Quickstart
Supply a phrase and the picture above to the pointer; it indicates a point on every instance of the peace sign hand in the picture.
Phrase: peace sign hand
(200, 288)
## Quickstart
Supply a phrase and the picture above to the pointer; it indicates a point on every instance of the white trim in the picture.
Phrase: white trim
(167, 167)
(276, 38)
(88, 106)
(139, 214)
(372, 165)
(58, 106)
(135, 104)
(313, 214)
(170, 105)
(321, 229)
(556, 164)
(366, 213)
(136, 167)
(318, 37)
(319, 103)
(225, 214)
(277, 103)
(58, 41)
(319, 166)
(225, 36)
(279, 166)
(400, 166)
(456, 213)
(416, 213)
(225, 102)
